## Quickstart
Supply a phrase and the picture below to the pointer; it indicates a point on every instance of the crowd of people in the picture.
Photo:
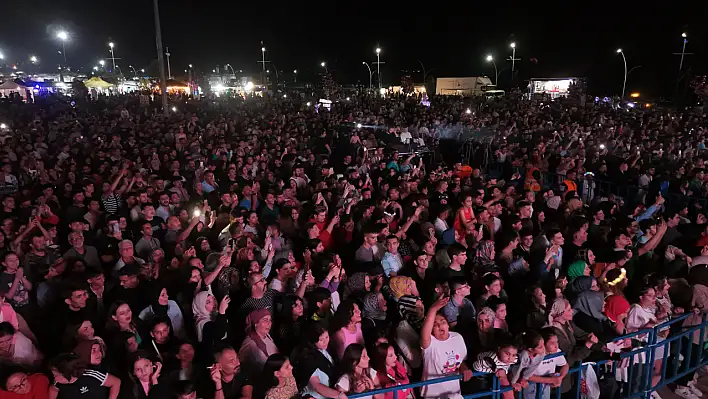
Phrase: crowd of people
(264, 248)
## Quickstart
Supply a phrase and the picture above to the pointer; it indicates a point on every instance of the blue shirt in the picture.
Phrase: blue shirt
(392, 263)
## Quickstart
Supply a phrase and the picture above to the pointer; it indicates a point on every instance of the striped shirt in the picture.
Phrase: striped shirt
(112, 203)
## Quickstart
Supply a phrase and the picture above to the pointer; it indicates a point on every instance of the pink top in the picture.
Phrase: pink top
(8, 314)
(349, 338)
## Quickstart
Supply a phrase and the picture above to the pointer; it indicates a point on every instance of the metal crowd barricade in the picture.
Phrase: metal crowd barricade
(637, 387)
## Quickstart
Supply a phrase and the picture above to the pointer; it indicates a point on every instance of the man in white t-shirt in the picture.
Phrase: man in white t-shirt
(444, 353)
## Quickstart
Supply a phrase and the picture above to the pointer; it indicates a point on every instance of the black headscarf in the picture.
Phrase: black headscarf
(158, 309)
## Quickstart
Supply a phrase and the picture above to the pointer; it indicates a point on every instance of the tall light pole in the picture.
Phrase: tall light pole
(263, 61)
(160, 57)
(496, 74)
(324, 65)
(169, 70)
(34, 59)
(624, 84)
(683, 50)
(63, 36)
(378, 66)
(113, 56)
(294, 75)
(513, 58)
(134, 71)
(228, 65)
(371, 74)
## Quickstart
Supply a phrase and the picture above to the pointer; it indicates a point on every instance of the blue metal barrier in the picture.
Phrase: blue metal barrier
(634, 387)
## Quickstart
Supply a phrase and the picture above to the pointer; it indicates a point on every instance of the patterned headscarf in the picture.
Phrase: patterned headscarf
(372, 308)
(483, 258)
(201, 316)
(400, 286)
(557, 309)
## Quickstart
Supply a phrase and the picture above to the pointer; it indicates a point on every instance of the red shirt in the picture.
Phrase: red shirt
(40, 389)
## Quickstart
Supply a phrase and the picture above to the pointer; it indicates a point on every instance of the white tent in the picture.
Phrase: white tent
(10, 86)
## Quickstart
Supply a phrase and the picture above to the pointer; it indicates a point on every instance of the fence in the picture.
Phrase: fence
(639, 373)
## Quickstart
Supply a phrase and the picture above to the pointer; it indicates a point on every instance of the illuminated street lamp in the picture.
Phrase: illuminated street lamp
(624, 84)
(371, 73)
(113, 57)
(513, 56)
(102, 62)
(63, 36)
(34, 59)
(378, 66)
(496, 74)
(324, 65)
(2, 56)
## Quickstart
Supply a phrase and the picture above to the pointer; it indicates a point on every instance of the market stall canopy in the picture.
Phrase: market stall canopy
(97, 83)
(12, 85)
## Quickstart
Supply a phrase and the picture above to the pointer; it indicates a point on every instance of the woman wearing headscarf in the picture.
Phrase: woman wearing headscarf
(560, 318)
(484, 258)
(258, 344)
(162, 306)
(211, 326)
(588, 316)
(373, 313)
(577, 269)
(400, 286)
(616, 305)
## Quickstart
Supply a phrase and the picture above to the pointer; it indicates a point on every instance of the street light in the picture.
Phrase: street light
(142, 70)
(113, 57)
(265, 82)
(63, 36)
(33, 59)
(378, 66)
(324, 65)
(624, 84)
(513, 57)
(95, 68)
(133, 68)
(496, 74)
(2, 56)
(102, 62)
(371, 73)
(294, 75)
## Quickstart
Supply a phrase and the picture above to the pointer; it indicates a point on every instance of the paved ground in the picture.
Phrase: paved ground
(702, 384)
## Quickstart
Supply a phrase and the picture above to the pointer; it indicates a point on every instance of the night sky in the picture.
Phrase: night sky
(566, 38)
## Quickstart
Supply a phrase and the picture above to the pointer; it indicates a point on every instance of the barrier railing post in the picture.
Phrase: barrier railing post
(649, 366)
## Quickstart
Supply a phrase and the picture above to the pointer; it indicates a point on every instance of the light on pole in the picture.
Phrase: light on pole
(102, 62)
(513, 57)
(134, 71)
(113, 57)
(294, 75)
(324, 65)
(378, 66)
(2, 56)
(371, 73)
(496, 74)
(63, 36)
(265, 82)
(33, 59)
(624, 84)
(683, 50)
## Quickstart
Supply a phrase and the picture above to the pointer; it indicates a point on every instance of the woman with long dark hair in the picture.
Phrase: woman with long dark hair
(314, 365)
(356, 375)
(346, 327)
(278, 381)
(290, 322)
(390, 371)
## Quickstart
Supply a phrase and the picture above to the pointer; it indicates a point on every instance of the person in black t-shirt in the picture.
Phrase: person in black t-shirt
(73, 380)
(232, 382)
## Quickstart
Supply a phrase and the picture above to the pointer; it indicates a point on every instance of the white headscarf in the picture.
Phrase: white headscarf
(201, 316)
